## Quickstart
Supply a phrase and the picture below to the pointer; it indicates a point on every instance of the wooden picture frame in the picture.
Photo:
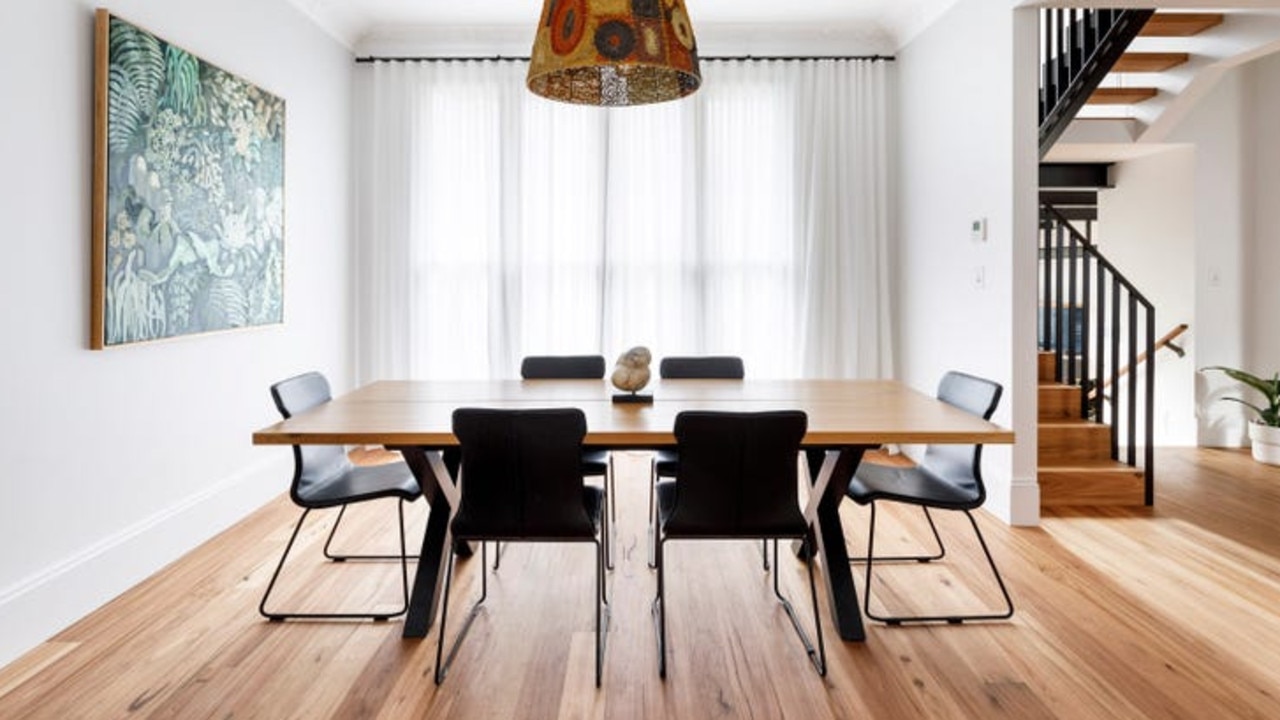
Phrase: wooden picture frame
(188, 193)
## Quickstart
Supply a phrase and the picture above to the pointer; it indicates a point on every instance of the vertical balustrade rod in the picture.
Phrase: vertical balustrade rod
(1073, 299)
(1149, 454)
(1115, 366)
(1133, 384)
(1046, 291)
(1057, 301)
(1047, 94)
(1099, 411)
(1064, 77)
(1090, 31)
(1085, 308)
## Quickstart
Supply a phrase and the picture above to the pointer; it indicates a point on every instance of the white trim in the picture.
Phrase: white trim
(1017, 503)
(45, 602)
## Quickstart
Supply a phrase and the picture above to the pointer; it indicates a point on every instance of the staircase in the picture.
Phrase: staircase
(1111, 65)
(1075, 454)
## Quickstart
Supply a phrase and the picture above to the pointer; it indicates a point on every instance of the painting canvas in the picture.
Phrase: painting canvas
(188, 207)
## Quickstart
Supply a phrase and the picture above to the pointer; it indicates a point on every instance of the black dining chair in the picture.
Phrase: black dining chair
(949, 477)
(595, 463)
(323, 477)
(520, 481)
(666, 462)
(562, 367)
(737, 479)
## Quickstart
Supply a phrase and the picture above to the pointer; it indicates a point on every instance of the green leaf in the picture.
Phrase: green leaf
(1269, 388)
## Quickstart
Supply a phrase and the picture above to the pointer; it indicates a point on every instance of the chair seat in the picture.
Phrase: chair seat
(783, 522)
(595, 462)
(666, 463)
(914, 485)
(358, 483)
(592, 500)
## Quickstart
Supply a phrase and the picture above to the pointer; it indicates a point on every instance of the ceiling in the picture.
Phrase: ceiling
(355, 22)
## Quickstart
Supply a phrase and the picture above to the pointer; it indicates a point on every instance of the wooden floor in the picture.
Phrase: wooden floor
(1163, 613)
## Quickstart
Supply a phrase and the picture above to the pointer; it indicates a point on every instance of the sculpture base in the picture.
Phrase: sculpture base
(632, 398)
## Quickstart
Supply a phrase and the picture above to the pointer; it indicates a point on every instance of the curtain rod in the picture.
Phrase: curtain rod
(525, 58)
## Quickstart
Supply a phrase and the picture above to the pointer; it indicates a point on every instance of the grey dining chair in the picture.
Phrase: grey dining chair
(949, 477)
(324, 477)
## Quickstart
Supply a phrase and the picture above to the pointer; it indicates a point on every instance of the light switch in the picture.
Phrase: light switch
(978, 230)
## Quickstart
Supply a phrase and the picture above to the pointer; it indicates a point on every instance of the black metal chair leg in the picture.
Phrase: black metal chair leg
(941, 553)
(602, 612)
(377, 617)
(262, 605)
(819, 657)
(610, 488)
(1008, 601)
(608, 530)
(328, 543)
(334, 531)
(652, 530)
(442, 668)
(949, 618)
(764, 553)
(660, 613)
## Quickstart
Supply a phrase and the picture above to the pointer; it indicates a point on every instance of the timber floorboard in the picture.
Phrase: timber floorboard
(1164, 612)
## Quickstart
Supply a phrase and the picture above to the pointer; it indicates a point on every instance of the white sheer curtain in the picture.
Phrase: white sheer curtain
(748, 220)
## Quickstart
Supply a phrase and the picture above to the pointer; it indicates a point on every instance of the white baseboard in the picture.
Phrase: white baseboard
(1017, 503)
(44, 603)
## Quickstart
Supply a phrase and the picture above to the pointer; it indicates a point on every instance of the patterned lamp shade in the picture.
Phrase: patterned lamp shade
(614, 52)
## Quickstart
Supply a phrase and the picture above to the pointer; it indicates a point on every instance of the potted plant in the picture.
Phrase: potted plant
(1264, 431)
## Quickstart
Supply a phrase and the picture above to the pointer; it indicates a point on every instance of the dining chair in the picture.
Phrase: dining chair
(520, 481)
(595, 463)
(323, 477)
(737, 479)
(949, 477)
(666, 462)
(562, 367)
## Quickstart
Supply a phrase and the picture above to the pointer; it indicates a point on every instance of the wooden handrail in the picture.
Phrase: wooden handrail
(1167, 340)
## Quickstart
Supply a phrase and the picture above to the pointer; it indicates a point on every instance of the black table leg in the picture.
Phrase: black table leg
(841, 592)
(428, 582)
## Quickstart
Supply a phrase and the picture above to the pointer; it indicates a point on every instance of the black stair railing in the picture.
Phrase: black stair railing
(1099, 326)
(1079, 47)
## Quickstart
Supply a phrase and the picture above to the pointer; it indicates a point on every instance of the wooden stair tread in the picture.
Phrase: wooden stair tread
(1139, 62)
(1090, 466)
(1121, 96)
(1177, 24)
(1073, 423)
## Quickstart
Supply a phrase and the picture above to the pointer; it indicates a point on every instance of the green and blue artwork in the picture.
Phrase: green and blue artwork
(189, 198)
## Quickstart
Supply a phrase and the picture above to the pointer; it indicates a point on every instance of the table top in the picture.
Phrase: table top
(841, 412)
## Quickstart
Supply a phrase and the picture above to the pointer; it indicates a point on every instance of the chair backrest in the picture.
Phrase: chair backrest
(562, 367)
(737, 475)
(962, 464)
(312, 464)
(710, 367)
(521, 474)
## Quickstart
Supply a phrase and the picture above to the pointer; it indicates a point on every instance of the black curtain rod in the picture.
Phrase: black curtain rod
(525, 58)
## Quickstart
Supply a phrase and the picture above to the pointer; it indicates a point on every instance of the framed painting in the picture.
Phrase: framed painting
(188, 193)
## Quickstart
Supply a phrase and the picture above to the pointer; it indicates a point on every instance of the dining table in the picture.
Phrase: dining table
(845, 419)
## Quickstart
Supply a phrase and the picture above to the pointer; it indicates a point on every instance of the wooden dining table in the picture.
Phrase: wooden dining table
(846, 418)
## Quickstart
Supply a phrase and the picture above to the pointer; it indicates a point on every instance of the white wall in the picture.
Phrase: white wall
(1146, 227)
(967, 136)
(1236, 246)
(1262, 254)
(117, 462)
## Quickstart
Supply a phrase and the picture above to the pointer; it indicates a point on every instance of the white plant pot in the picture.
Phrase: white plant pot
(1266, 443)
